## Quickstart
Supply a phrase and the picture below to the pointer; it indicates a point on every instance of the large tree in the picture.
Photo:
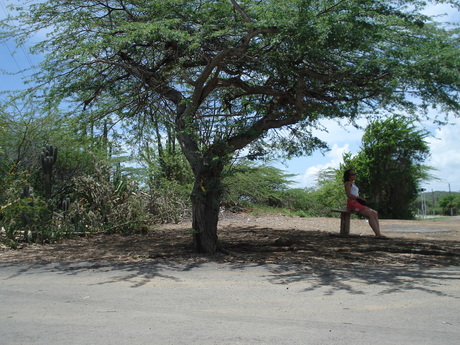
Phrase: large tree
(240, 73)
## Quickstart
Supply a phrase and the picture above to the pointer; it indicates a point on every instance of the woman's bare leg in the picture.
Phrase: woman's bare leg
(373, 217)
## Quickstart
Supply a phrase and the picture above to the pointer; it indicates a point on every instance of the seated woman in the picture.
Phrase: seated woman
(354, 205)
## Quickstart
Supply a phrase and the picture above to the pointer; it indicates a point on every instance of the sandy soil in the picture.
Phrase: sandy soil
(268, 239)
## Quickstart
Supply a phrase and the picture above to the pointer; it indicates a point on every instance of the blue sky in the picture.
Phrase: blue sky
(444, 142)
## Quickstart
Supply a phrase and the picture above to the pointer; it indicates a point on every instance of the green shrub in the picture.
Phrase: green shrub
(29, 219)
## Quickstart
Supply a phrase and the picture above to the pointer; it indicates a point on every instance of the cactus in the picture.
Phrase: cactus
(48, 158)
(66, 204)
(65, 208)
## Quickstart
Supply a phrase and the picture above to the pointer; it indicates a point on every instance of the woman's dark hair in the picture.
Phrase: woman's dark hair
(346, 175)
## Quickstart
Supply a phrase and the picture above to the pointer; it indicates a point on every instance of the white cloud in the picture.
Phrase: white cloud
(308, 179)
(445, 157)
(442, 12)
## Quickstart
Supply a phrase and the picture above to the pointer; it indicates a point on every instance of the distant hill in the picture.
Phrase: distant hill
(436, 195)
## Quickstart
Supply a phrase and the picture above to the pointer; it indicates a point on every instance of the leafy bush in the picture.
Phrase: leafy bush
(297, 199)
(30, 219)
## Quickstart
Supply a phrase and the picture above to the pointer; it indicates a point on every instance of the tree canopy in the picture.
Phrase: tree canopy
(240, 74)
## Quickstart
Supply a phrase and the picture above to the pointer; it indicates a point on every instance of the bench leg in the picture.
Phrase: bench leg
(345, 224)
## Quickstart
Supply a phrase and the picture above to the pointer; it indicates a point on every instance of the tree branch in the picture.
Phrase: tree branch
(327, 10)
(238, 8)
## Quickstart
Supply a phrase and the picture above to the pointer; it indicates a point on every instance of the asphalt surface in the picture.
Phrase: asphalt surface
(153, 303)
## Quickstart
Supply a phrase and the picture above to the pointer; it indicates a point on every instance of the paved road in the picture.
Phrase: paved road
(147, 303)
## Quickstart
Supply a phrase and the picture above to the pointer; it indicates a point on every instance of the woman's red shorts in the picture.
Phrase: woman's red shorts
(355, 206)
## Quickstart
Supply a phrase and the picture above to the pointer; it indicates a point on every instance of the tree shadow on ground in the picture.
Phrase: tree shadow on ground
(381, 280)
(358, 280)
(320, 249)
(314, 259)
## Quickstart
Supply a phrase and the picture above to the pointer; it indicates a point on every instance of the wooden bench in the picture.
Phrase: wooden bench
(345, 216)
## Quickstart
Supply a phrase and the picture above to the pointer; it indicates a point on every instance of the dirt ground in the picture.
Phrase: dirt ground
(268, 239)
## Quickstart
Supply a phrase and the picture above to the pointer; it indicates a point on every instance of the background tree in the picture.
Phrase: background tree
(329, 193)
(318, 201)
(389, 165)
(247, 183)
(236, 72)
(450, 203)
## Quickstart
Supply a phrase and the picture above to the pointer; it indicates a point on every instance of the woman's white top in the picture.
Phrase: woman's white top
(354, 189)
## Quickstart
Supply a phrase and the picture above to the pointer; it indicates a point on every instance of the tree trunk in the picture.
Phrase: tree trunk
(206, 197)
